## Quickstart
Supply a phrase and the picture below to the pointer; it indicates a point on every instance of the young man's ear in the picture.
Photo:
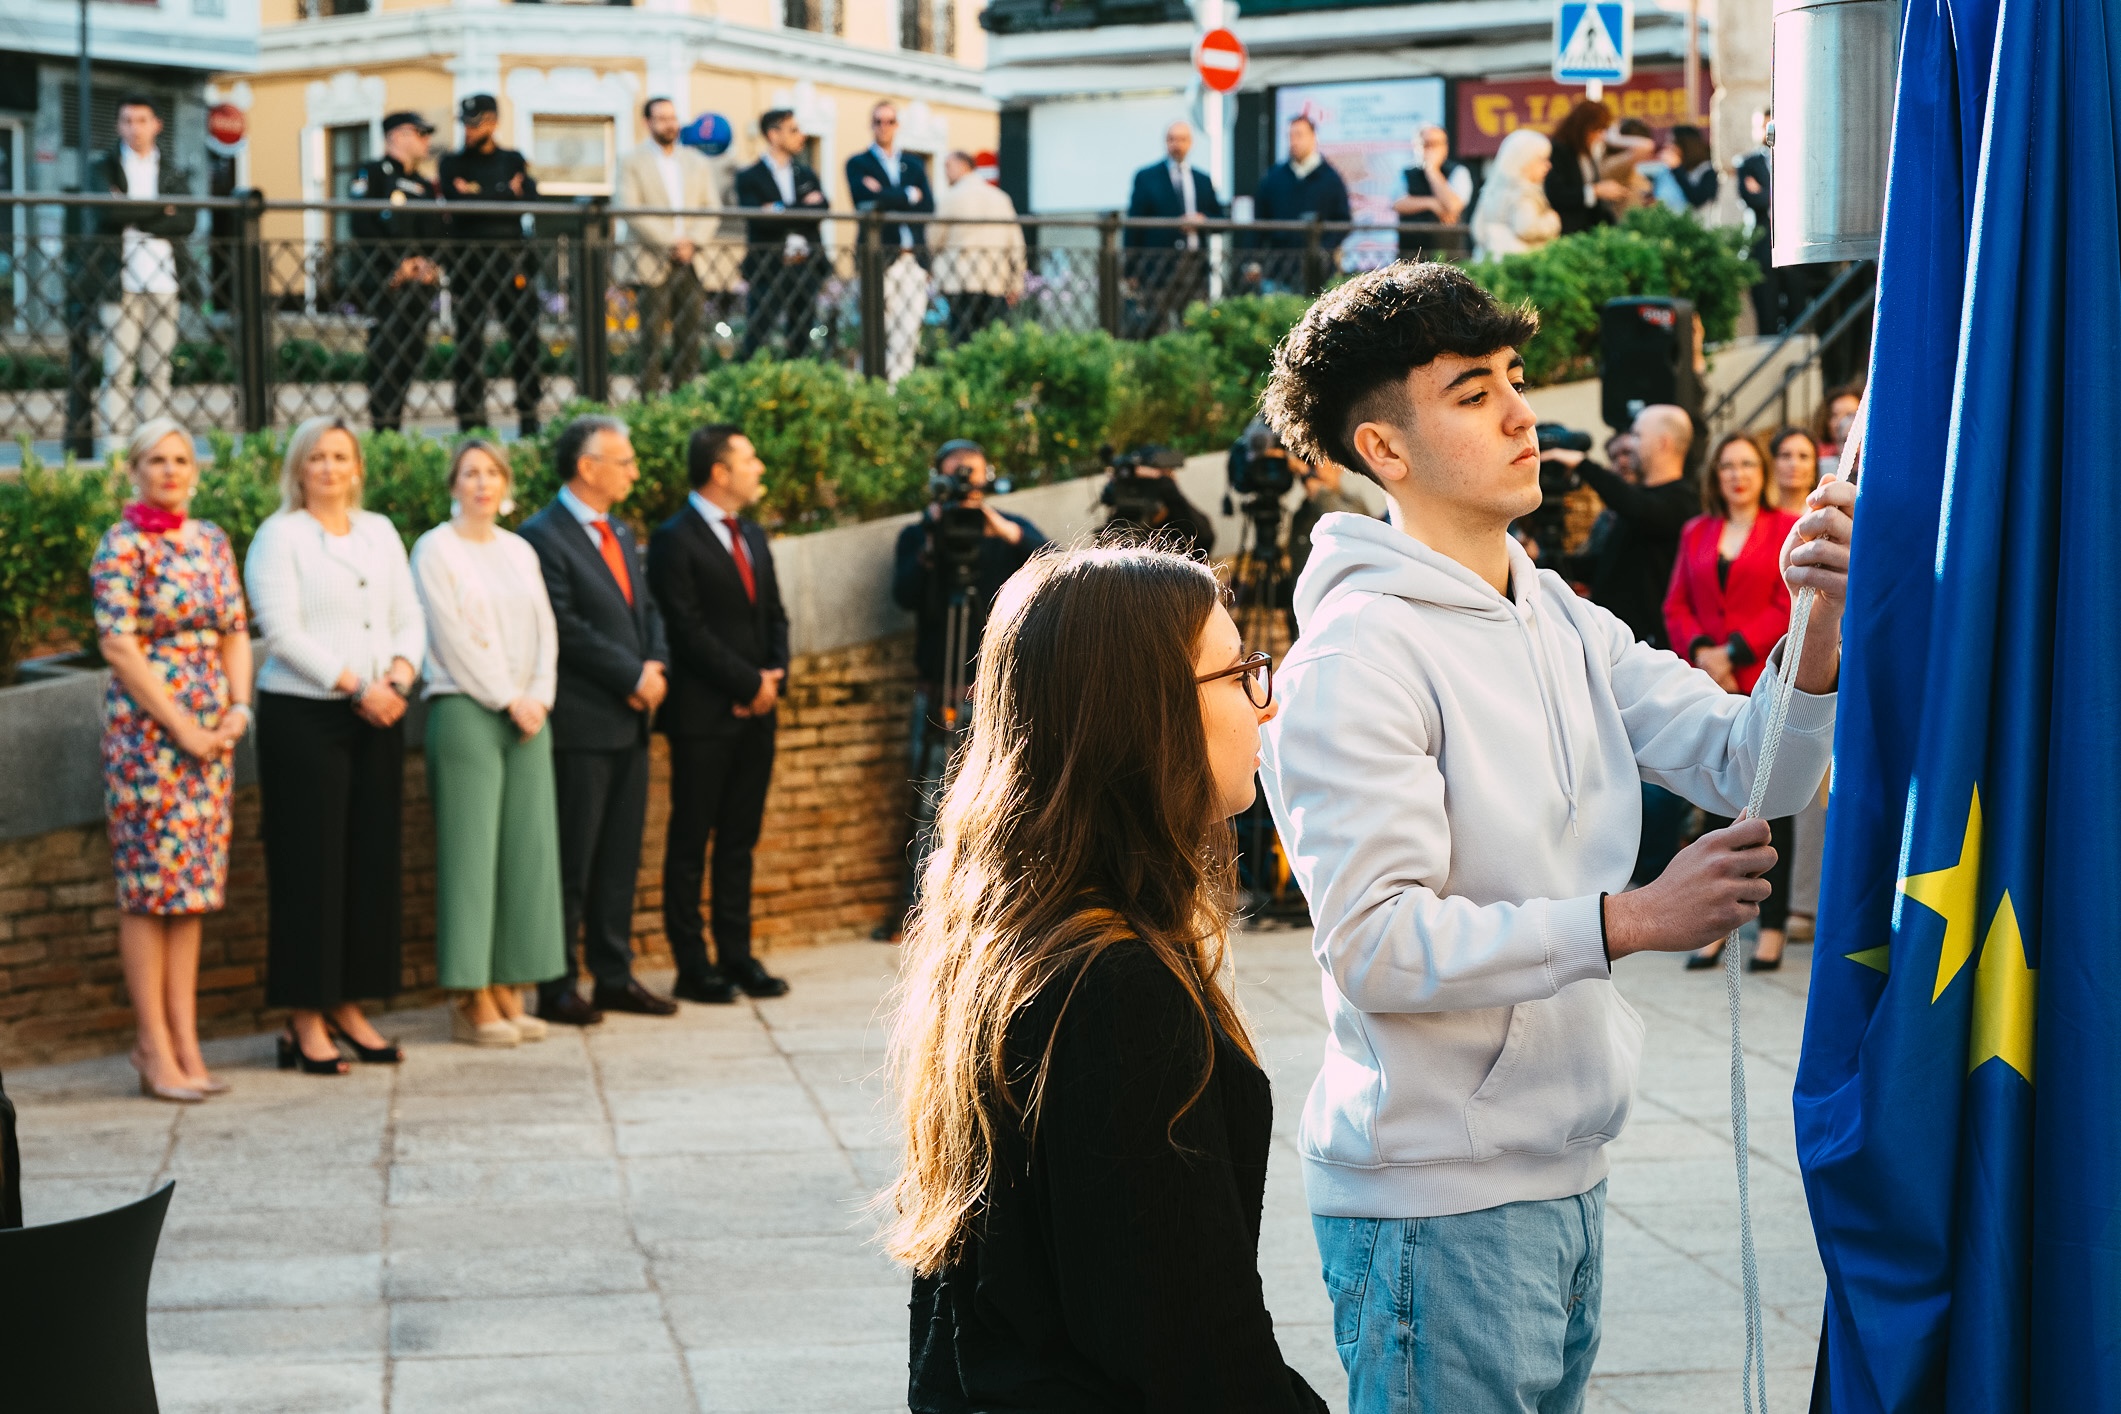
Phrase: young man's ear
(1383, 450)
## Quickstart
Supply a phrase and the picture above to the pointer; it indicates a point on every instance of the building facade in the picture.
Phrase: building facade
(571, 78)
(1086, 87)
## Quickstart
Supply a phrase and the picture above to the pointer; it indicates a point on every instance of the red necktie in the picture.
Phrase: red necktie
(742, 557)
(614, 557)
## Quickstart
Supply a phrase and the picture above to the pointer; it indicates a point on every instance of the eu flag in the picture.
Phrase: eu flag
(1959, 1096)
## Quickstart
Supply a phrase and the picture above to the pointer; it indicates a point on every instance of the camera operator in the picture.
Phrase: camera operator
(959, 553)
(1544, 532)
(1633, 568)
(1143, 495)
(1325, 493)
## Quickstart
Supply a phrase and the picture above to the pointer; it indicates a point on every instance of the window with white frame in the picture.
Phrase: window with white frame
(573, 154)
(928, 26)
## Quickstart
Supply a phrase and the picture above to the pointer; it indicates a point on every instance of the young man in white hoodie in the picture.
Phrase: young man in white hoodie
(1455, 774)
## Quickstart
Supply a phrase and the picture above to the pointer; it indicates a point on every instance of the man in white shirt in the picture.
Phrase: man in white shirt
(882, 178)
(135, 266)
(1168, 267)
(671, 261)
(979, 264)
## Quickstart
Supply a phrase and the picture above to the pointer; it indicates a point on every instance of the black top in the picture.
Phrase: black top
(1113, 1269)
(1284, 196)
(910, 192)
(719, 637)
(396, 233)
(916, 586)
(1633, 568)
(604, 641)
(465, 175)
(1566, 194)
(756, 187)
(103, 261)
(1154, 194)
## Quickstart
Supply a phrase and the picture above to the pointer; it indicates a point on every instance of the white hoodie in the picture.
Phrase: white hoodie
(1456, 780)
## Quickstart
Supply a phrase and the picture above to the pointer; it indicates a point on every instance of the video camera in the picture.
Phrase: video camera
(958, 526)
(1259, 464)
(1548, 526)
(1135, 499)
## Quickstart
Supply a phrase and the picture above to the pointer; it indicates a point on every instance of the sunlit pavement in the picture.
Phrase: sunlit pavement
(667, 1214)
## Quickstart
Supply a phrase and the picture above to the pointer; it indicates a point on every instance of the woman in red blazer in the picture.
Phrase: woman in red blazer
(1726, 610)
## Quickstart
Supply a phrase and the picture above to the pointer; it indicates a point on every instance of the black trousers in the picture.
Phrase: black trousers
(494, 282)
(780, 302)
(717, 787)
(970, 313)
(1775, 908)
(603, 799)
(1170, 281)
(397, 345)
(332, 788)
(671, 316)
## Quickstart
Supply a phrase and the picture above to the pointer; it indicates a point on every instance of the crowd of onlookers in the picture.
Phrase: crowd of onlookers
(1689, 560)
(547, 658)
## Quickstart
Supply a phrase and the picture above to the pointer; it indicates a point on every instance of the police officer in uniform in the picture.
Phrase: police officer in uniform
(396, 275)
(493, 271)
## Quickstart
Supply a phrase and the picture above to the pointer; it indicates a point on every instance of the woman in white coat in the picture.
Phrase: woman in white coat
(1512, 215)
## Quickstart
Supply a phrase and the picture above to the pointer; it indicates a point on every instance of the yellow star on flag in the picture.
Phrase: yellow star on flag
(1952, 894)
(2005, 989)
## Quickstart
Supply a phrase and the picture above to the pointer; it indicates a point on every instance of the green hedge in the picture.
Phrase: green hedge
(1651, 252)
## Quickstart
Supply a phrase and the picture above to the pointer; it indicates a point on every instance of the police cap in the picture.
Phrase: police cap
(477, 105)
(408, 120)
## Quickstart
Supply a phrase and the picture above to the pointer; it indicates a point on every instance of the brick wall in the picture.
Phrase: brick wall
(829, 865)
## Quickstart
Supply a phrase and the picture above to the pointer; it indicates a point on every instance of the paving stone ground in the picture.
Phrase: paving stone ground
(666, 1215)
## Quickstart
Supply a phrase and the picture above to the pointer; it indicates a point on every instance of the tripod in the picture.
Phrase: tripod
(1259, 581)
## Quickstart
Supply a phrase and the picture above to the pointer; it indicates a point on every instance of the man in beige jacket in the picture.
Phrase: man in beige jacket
(979, 264)
(675, 261)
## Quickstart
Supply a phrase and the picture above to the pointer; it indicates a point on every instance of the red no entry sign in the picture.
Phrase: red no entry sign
(224, 124)
(1220, 57)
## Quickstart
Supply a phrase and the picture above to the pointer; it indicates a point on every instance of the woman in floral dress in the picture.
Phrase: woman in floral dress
(171, 624)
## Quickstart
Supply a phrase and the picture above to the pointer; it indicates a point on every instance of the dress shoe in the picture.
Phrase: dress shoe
(710, 988)
(755, 981)
(480, 1033)
(635, 998)
(568, 1009)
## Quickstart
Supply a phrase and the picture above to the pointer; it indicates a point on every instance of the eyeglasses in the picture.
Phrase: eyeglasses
(1258, 674)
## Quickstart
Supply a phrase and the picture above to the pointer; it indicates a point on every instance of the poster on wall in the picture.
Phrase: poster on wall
(1367, 130)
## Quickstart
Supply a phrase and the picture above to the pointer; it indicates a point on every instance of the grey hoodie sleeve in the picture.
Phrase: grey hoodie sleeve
(1702, 743)
(1361, 814)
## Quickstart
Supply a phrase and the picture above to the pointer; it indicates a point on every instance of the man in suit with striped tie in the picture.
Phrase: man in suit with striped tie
(612, 654)
(712, 575)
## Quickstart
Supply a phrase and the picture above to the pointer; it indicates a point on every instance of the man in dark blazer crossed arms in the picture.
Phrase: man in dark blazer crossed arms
(712, 575)
(784, 258)
(611, 681)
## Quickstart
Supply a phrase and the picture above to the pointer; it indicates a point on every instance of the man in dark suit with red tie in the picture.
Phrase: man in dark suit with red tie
(712, 574)
(611, 680)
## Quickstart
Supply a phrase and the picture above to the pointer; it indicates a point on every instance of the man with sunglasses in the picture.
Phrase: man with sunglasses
(1455, 773)
(882, 178)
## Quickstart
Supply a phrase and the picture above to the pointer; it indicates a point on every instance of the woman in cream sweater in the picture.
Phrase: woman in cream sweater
(492, 669)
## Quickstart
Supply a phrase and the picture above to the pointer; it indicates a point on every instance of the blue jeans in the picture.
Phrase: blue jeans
(1494, 1312)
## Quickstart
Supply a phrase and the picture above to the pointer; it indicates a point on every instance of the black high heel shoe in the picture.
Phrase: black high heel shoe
(292, 1057)
(385, 1054)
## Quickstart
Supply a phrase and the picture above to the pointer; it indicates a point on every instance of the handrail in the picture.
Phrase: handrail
(1796, 327)
(1826, 341)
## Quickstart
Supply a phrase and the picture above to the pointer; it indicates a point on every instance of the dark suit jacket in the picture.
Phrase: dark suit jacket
(912, 177)
(604, 641)
(1284, 196)
(719, 638)
(1154, 195)
(104, 257)
(755, 187)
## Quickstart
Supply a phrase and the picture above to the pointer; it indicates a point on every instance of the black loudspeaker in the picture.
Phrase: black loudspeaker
(1646, 350)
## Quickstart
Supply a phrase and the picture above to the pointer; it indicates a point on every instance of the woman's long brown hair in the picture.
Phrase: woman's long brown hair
(1081, 812)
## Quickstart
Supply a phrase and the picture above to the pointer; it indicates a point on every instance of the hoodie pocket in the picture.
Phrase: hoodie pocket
(1566, 1074)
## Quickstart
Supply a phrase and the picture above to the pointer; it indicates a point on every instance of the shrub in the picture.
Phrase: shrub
(50, 520)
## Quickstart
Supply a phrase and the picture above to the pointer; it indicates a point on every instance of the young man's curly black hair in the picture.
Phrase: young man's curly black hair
(1347, 359)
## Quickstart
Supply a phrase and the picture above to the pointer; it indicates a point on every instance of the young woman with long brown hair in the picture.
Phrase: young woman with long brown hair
(1086, 1122)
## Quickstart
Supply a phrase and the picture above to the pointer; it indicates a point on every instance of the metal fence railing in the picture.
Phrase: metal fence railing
(487, 314)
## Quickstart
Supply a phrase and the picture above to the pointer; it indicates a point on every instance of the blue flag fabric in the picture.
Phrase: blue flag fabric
(1958, 1100)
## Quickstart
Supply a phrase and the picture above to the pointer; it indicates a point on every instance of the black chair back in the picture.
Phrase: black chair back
(73, 1311)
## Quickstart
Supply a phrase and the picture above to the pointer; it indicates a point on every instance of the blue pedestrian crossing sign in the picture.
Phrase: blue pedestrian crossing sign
(1594, 41)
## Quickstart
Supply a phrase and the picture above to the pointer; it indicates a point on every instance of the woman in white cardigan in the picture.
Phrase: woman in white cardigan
(493, 657)
(332, 594)
(1512, 214)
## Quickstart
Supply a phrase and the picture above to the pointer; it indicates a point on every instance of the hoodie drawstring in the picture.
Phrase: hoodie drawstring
(1550, 700)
